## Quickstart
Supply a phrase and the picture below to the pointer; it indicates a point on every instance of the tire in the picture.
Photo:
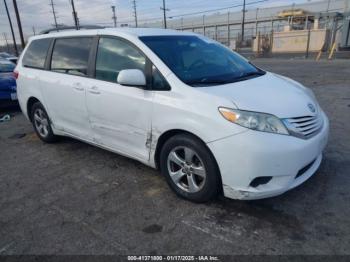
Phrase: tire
(42, 124)
(190, 169)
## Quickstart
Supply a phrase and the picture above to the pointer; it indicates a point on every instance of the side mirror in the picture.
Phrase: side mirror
(131, 77)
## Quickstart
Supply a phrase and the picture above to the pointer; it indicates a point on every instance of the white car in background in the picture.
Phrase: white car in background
(209, 119)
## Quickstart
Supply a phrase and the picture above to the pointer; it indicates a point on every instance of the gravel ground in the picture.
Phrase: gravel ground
(73, 198)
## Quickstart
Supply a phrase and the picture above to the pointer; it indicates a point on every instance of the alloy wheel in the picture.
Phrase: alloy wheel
(186, 169)
(41, 122)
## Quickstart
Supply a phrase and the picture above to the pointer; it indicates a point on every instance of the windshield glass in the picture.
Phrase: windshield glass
(199, 61)
(6, 68)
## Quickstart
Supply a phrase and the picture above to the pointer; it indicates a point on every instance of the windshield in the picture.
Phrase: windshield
(6, 68)
(199, 61)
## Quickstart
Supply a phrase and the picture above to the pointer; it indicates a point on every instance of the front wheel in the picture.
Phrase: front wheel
(190, 169)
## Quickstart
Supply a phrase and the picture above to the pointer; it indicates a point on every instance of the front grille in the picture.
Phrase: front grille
(304, 126)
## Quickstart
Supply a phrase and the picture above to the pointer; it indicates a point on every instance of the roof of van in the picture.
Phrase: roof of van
(114, 31)
(146, 31)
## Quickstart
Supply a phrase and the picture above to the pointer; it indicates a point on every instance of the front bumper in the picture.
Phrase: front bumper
(246, 156)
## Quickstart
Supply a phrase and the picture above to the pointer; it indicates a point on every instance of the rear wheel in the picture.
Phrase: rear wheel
(42, 124)
(189, 168)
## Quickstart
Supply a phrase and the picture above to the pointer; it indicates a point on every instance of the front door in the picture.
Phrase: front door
(120, 116)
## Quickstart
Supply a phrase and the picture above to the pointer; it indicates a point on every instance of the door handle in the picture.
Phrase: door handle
(78, 86)
(94, 90)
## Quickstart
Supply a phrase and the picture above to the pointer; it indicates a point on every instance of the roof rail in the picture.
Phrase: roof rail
(62, 28)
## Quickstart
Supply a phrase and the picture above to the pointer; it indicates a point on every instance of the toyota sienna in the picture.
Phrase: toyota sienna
(210, 120)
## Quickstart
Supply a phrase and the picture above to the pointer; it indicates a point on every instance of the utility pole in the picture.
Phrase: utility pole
(54, 13)
(243, 21)
(256, 21)
(75, 16)
(135, 11)
(164, 13)
(33, 30)
(228, 29)
(328, 3)
(19, 24)
(204, 25)
(11, 27)
(7, 43)
(327, 13)
(292, 18)
(114, 17)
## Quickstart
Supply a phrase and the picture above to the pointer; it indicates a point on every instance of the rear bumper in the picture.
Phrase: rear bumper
(289, 161)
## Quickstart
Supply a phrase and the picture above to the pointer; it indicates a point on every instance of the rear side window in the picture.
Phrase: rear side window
(35, 55)
(114, 55)
(71, 55)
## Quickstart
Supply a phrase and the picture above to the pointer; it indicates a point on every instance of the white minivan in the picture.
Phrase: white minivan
(210, 120)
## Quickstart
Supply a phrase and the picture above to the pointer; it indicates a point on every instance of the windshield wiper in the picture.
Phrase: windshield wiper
(254, 73)
(206, 82)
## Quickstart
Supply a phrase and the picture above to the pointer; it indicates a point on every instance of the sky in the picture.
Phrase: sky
(37, 14)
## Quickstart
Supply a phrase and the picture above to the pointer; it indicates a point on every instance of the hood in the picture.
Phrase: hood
(269, 93)
(7, 81)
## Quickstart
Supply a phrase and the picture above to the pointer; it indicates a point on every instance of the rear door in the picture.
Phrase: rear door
(66, 84)
(120, 116)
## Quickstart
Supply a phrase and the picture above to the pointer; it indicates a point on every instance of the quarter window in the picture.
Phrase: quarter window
(35, 55)
(158, 81)
(71, 55)
(114, 55)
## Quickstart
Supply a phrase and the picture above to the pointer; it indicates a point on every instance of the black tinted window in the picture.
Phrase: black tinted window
(199, 61)
(114, 55)
(158, 81)
(71, 55)
(35, 55)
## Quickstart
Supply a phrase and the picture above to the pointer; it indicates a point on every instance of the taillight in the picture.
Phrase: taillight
(16, 74)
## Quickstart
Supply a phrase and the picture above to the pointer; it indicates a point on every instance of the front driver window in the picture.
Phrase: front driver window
(114, 55)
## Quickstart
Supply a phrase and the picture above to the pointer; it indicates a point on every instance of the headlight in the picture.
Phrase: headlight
(253, 120)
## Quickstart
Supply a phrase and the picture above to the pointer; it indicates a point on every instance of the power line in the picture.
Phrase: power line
(54, 13)
(217, 9)
(135, 11)
(114, 17)
(11, 27)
